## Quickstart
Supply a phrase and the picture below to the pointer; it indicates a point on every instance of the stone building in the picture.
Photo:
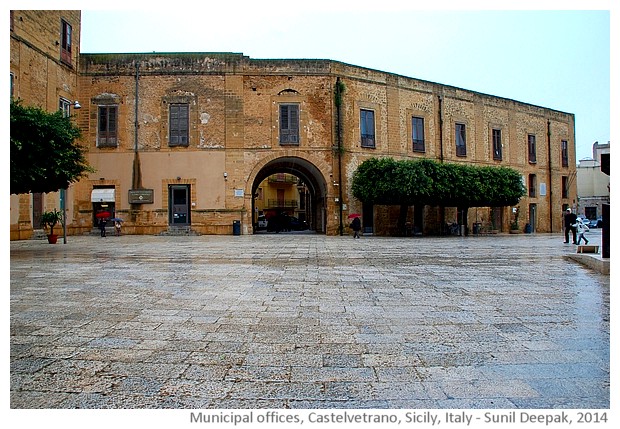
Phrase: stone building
(184, 140)
(44, 55)
(593, 184)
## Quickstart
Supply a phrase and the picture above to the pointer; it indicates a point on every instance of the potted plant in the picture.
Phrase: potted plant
(514, 225)
(49, 220)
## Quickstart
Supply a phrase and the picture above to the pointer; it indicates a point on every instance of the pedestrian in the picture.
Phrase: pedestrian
(570, 221)
(117, 227)
(102, 223)
(582, 228)
(356, 226)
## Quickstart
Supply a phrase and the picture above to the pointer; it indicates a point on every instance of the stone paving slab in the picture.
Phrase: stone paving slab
(307, 321)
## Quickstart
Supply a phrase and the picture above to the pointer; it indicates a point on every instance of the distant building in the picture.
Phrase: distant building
(188, 139)
(592, 183)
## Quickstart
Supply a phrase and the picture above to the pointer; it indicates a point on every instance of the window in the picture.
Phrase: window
(367, 127)
(564, 186)
(106, 126)
(65, 45)
(461, 149)
(179, 125)
(497, 145)
(564, 153)
(532, 185)
(531, 148)
(417, 134)
(64, 106)
(289, 124)
(12, 85)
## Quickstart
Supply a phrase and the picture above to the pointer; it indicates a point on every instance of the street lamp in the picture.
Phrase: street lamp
(63, 192)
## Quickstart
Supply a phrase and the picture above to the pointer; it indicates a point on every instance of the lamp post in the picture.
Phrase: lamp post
(63, 192)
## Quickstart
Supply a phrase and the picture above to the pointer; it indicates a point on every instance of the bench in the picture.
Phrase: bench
(587, 248)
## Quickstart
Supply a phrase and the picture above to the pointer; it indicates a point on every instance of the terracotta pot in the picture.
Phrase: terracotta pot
(52, 238)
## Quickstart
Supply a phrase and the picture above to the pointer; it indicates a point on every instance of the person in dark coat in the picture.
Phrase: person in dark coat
(570, 225)
(356, 226)
(102, 223)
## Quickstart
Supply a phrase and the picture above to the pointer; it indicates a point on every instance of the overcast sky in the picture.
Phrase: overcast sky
(558, 59)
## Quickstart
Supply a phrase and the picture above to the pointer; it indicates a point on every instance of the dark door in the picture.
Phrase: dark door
(178, 199)
(368, 218)
(37, 209)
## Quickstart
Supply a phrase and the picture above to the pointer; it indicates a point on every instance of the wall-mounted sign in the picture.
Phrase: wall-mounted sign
(140, 196)
(238, 192)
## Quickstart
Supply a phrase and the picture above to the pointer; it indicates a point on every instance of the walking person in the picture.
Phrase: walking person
(117, 227)
(356, 226)
(570, 220)
(582, 228)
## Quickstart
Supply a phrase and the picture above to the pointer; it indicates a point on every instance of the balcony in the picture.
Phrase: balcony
(281, 204)
(283, 179)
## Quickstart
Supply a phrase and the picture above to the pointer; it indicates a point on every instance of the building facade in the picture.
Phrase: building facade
(185, 140)
(44, 55)
(593, 184)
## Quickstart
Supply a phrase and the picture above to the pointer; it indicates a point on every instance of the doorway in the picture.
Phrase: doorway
(290, 186)
(532, 218)
(178, 205)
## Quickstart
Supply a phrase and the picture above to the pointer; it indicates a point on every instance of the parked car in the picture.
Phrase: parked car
(297, 225)
(262, 222)
(596, 223)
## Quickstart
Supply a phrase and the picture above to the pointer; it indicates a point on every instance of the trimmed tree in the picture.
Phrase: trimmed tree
(426, 182)
(44, 154)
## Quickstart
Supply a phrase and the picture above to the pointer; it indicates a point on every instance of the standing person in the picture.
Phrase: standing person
(582, 228)
(356, 226)
(570, 219)
(102, 223)
(117, 227)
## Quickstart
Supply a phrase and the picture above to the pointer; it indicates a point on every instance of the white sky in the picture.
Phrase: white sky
(558, 59)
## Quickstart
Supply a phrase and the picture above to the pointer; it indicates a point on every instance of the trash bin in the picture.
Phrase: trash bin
(236, 227)
(476, 228)
(528, 228)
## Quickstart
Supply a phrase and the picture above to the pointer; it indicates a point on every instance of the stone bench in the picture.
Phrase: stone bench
(587, 248)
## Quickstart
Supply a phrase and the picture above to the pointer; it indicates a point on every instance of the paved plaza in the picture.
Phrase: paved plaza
(307, 321)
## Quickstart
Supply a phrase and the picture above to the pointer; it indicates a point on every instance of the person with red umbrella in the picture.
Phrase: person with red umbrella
(356, 225)
(102, 216)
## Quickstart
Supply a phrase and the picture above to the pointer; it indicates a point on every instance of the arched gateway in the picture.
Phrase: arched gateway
(311, 173)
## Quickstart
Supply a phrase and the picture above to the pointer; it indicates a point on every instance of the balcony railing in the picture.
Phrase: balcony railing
(286, 179)
(281, 204)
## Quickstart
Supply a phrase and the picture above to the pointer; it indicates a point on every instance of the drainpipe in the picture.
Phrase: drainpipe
(550, 176)
(442, 210)
(339, 91)
(136, 182)
(440, 99)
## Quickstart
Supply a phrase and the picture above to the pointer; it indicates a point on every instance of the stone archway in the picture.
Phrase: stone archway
(311, 175)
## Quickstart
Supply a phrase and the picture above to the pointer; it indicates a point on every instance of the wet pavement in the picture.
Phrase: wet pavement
(307, 321)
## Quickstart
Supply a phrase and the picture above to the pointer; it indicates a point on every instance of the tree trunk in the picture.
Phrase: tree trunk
(402, 220)
(464, 211)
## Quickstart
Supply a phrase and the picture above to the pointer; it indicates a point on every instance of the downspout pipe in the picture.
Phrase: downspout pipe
(550, 176)
(442, 210)
(338, 100)
(137, 174)
(440, 100)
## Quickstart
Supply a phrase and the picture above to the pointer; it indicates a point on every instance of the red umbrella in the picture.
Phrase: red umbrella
(102, 215)
(353, 215)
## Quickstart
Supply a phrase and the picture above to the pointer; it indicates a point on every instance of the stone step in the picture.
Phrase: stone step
(179, 231)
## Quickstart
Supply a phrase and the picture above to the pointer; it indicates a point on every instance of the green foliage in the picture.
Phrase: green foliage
(50, 219)
(44, 154)
(424, 181)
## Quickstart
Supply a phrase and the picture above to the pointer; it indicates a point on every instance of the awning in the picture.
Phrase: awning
(102, 195)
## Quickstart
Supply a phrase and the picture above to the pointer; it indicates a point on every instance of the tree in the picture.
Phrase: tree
(44, 154)
(390, 182)
(427, 182)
